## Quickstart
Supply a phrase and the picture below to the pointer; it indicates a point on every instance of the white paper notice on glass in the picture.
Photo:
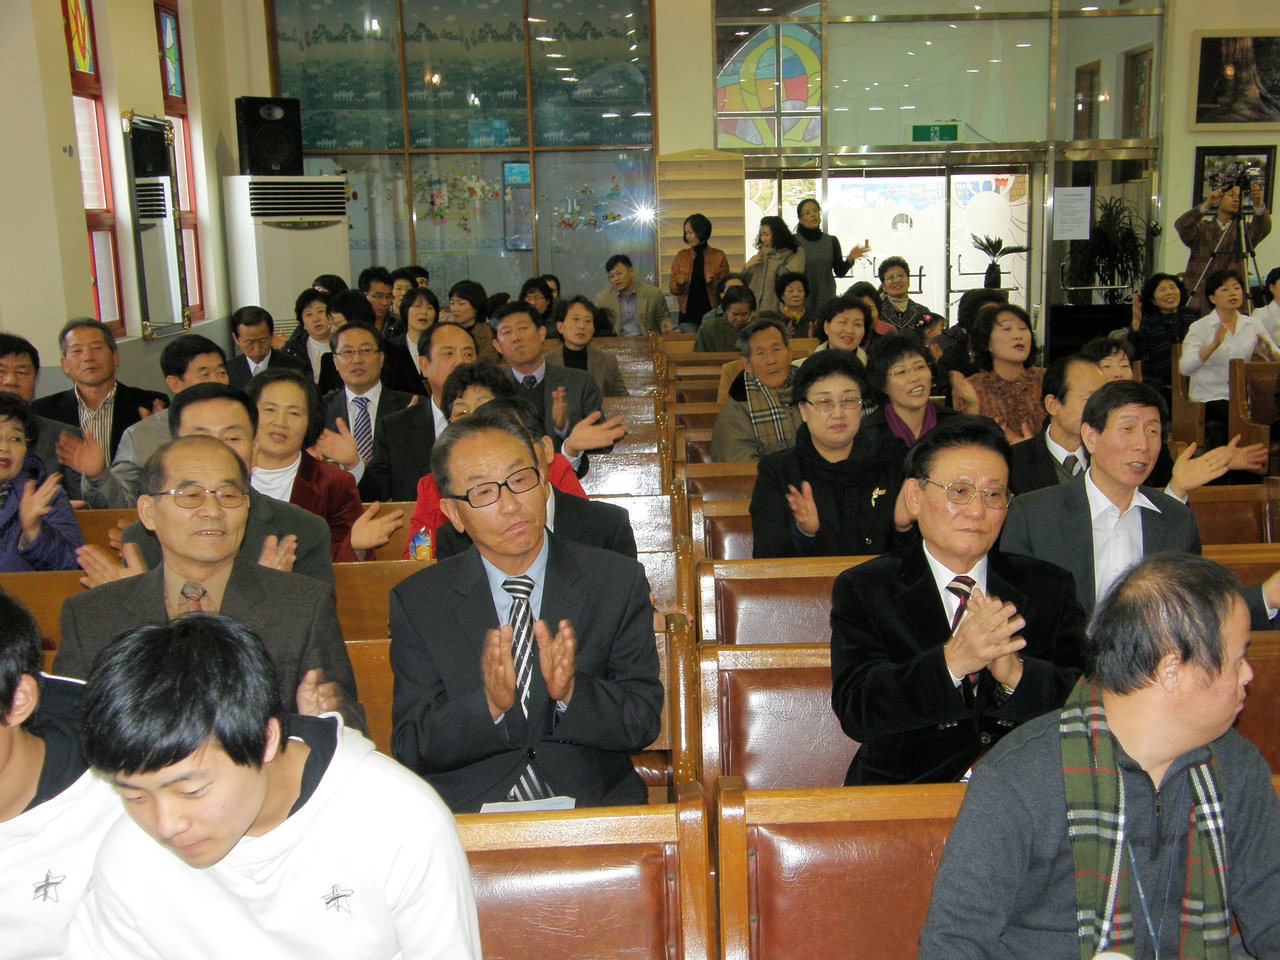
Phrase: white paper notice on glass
(1072, 209)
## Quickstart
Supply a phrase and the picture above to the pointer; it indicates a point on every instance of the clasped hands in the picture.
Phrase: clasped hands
(555, 658)
(987, 637)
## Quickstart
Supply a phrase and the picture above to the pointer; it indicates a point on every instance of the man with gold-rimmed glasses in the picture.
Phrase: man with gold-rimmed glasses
(940, 649)
(525, 667)
(196, 500)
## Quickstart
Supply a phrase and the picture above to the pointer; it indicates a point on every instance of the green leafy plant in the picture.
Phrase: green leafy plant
(995, 248)
(1115, 255)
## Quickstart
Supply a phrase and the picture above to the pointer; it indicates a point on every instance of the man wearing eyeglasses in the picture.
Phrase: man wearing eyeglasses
(525, 668)
(940, 649)
(195, 500)
(354, 413)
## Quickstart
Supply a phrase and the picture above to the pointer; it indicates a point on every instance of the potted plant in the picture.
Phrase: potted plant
(994, 248)
(1114, 255)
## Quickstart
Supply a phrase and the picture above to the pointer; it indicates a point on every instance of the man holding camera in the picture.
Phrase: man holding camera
(1207, 237)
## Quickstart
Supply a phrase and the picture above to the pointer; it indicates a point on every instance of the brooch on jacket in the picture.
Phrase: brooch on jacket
(876, 494)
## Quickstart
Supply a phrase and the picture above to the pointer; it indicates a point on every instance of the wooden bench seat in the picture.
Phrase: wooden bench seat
(1238, 513)
(96, 525)
(1251, 406)
(721, 529)
(623, 474)
(42, 592)
(767, 718)
(602, 882)
(650, 520)
(828, 873)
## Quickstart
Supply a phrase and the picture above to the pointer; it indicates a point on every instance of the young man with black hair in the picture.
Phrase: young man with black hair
(19, 369)
(53, 810)
(634, 309)
(376, 284)
(185, 361)
(1057, 454)
(252, 833)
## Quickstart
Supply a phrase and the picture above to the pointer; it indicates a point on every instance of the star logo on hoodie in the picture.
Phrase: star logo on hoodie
(338, 899)
(46, 890)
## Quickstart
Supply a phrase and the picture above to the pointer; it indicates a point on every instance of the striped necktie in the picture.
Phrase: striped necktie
(530, 785)
(962, 587)
(362, 429)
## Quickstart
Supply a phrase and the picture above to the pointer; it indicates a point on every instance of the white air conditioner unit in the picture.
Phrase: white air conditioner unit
(283, 232)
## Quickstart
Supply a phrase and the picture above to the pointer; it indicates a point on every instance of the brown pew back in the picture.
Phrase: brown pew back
(623, 474)
(721, 529)
(1187, 416)
(602, 882)
(1260, 719)
(1251, 404)
(363, 592)
(1238, 513)
(767, 717)
(650, 520)
(96, 525)
(393, 549)
(42, 593)
(856, 864)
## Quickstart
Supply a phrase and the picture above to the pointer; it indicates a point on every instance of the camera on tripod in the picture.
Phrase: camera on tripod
(1242, 175)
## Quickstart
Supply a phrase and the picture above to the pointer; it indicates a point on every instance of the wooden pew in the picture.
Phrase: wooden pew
(42, 593)
(363, 592)
(671, 758)
(716, 481)
(692, 445)
(623, 474)
(642, 437)
(1187, 417)
(1260, 719)
(603, 882)
(855, 865)
(1252, 562)
(1238, 513)
(699, 390)
(650, 520)
(721, 529)
(768, 601)
(393, 549)
(630, 409)
(767, 718)
(96, 525)
(1251, 405)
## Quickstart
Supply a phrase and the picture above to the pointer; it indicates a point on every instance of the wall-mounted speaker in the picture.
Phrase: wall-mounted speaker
(270, 134)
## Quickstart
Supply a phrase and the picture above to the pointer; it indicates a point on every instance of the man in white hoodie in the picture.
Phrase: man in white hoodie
(251, 833)
(53, 811)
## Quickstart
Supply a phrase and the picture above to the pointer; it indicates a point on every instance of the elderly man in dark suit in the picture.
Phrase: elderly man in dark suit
(97, 402)
(525, 668)
(939, 650)
(252, 329)
(196, 500)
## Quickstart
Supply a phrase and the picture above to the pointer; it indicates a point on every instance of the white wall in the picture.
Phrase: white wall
(1177, 157)
(685, 74)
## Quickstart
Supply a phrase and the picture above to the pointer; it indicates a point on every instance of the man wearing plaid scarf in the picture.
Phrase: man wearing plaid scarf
(1134, 820)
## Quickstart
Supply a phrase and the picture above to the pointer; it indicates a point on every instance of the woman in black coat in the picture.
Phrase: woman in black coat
(816, 498)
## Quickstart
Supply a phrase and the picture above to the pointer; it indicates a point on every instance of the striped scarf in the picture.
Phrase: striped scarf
(1096, 825)
(770, 412)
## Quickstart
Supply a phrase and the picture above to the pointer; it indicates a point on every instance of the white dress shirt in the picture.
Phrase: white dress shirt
(1117, 534)
(1060, 453)
(942, 577)
(1209, 379)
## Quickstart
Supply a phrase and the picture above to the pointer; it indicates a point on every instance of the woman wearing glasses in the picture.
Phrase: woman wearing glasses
(815, 498)
(38, 529)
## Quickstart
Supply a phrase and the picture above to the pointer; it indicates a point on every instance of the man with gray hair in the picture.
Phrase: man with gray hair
(758, 417)
(525, 668)
(1134, 820)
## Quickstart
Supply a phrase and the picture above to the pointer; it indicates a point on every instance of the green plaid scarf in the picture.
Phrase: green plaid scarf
(1096, 824)
(770, 412)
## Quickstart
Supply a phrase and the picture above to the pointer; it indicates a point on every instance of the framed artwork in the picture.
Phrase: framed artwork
(1237, 80)
(1216, 166)
(1136, 106)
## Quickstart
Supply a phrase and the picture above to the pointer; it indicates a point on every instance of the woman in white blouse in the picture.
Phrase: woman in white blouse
(1213, 341)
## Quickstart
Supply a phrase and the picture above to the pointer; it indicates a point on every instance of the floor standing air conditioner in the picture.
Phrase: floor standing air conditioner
(283, 232)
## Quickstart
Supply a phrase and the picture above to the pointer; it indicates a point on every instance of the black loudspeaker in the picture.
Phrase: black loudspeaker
(270, 133)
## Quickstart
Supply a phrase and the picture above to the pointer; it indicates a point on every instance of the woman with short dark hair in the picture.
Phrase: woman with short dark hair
(816, 498)
(1161, 319)
(1007, 387)
(38, 529)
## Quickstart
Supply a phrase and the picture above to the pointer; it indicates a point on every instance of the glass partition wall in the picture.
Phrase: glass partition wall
(923, 125)
(489, 141)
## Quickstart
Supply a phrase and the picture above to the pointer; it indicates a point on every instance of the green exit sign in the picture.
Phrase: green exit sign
(935, 132)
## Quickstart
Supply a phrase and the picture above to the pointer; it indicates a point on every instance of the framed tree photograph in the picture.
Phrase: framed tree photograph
(1217, 167)
(1237, 80)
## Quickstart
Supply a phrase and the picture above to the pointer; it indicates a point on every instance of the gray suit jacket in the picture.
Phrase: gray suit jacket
(295, 617)
(442, 728)
(267, 517)
(118, 486)
(601, 365)
(651, 308)
(1053, 524)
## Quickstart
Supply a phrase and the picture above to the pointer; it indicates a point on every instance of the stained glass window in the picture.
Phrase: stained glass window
(775, 73)
(171, 53)
(80, 36)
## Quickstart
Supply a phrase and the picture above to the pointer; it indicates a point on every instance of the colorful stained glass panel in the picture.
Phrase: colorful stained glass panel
(81, 36)
(172, 55)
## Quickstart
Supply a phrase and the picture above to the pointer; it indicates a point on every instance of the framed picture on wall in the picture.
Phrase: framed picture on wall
(1237, 80)
(1221, 166)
